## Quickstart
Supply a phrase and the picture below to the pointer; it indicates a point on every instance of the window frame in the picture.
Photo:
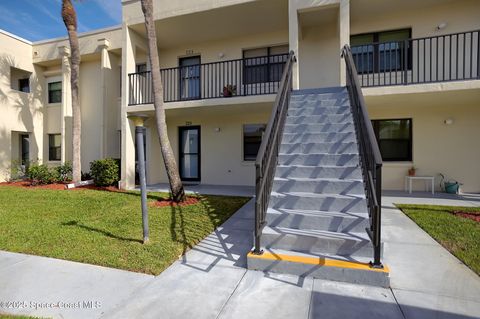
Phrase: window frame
(244, 159)
(54, 148)
(409, 157)
(267, 65)
(49, 96)
(376, 67)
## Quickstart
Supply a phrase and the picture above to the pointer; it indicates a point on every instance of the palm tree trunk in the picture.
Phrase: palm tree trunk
(171, 167)
(70, 19)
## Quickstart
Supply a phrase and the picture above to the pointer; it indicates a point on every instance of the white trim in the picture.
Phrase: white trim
(82, 34)
(16, 37)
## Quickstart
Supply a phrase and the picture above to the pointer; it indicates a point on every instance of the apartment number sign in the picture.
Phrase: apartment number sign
(188, 52)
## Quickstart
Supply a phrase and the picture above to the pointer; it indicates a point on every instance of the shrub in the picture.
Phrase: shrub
(104, 172)
(42, 174)
(17, 170)
(86, 176)
(64, 172)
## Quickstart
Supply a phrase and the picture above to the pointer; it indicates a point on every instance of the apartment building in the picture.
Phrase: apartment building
(319, 104)
(222, 63)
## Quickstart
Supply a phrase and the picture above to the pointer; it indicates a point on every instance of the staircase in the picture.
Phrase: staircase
(317, 211)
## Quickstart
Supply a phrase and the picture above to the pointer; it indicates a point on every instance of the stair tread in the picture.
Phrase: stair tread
(315, 179)
(316, 195)
(360, 237)
(282, 252)
(317, 213)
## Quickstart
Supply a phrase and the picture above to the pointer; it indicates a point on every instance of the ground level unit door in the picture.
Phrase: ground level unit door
(189, 154)
(25, 149)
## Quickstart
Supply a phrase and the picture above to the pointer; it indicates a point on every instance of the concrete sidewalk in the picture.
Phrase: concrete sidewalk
(211, 281)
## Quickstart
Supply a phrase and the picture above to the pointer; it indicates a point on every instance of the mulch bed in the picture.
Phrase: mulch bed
(468, 215)
(168, 202)
(58, 186)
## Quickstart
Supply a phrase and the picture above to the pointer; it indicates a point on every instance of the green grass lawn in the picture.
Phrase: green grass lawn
(105, 228)
(459, 235)
(16, 317)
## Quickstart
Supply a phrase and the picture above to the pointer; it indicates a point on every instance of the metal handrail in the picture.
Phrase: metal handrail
(370, 156)
(439, 58)
(239, 77)
(267, 157)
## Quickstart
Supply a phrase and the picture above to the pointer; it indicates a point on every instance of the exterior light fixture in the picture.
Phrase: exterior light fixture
(448, 121)
(442, 26)
(217, 129)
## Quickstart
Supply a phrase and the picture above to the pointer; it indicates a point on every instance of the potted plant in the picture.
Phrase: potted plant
(229, 90)
(412, 171)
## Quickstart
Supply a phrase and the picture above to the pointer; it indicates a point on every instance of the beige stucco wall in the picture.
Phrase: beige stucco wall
(132, 11)
(437, 147)
(221, 152)
(460, 15)
(20, 112)
(44, 51)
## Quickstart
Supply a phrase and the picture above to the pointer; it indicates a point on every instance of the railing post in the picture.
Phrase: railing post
(405, 61)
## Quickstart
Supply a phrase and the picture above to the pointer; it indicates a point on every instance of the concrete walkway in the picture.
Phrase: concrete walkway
(211, 281)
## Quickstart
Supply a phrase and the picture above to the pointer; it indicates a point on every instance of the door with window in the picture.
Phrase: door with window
(189, 78)
(189, 154)
(25, 149)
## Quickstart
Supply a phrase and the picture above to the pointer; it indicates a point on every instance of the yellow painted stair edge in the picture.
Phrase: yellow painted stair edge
(319, 261)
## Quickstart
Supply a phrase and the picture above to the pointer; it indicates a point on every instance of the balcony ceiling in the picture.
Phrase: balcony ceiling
(233, 21)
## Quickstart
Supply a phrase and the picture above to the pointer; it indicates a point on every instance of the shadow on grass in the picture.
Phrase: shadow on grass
(75, 223)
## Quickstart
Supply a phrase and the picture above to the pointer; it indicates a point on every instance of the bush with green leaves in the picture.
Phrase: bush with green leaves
(105, 172)
(64, 172)
(40, 174)
(17, 170)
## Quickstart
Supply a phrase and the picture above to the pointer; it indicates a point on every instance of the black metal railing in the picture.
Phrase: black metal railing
(450, 57)
(241, 77)
(370, 157)
(267, 156)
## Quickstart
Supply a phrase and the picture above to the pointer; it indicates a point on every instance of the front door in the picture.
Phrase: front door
(24, 149)
(190, 78)
(189, 153)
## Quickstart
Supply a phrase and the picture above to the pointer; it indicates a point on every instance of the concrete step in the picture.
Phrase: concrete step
(327, 148)
(337, 101)
(320, 119)
(319, 159)
(337, 268)
(318, 185)
(320, 220)
(319, 137)
(322, 202)
(317, 241)
(343, 172)
(319, 110)
(319, 128)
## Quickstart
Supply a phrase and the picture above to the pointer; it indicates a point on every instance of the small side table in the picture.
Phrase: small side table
(428, 180)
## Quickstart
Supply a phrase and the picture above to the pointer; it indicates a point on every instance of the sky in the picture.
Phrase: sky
(36, 20)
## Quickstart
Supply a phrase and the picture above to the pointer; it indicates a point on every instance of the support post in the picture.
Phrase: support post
(139, 135)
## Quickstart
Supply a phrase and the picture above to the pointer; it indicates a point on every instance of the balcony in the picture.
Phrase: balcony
(443, 58)
(224, 79)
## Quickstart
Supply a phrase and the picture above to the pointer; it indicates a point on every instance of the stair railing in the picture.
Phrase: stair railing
(267, 156)
(370, 157)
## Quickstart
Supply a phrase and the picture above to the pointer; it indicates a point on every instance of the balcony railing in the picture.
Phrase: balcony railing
(450, 57)
(241, 77)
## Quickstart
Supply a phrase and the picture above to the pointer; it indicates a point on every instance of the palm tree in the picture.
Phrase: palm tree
(70, 19)
(176, 186)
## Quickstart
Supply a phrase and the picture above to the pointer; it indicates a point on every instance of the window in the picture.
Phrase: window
(381, 51)
(264, 64)
(24, 85)
(20, 80)
(55, 92)
(141, 67)
(394, 139)
(54, 147)
(252, 138)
